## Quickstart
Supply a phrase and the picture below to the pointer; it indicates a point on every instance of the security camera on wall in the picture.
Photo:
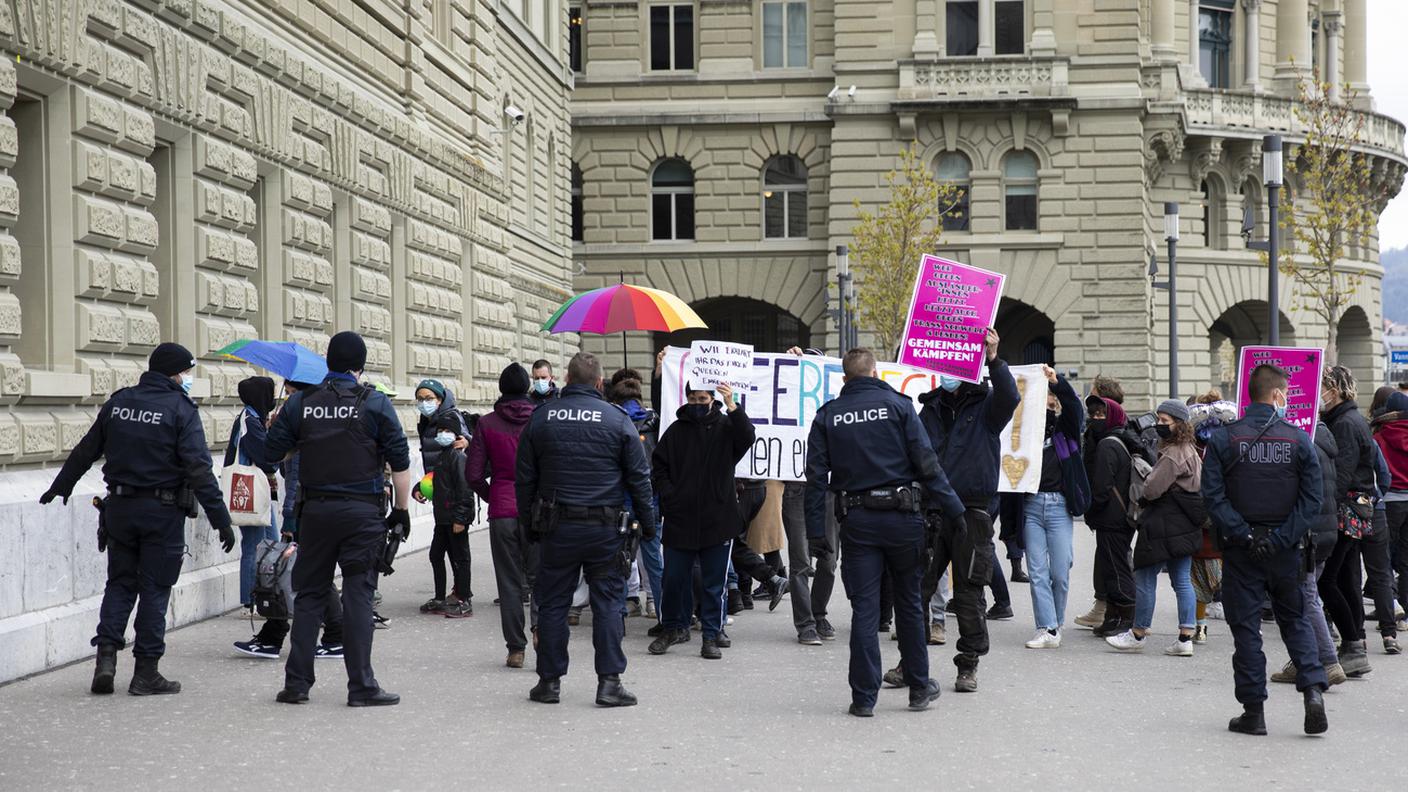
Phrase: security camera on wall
(514, 114)
(833, 93)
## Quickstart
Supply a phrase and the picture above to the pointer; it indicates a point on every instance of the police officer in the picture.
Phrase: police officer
(577, 458)
(1261, 483)
(345, 433)
(868, 447)
(156, 465)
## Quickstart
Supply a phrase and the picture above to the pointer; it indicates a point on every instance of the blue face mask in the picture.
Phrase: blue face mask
(186, 382)
(428, 408)
(1280, 411)
(697, 411)
(444, 439)
(542, 386)
(948, 383)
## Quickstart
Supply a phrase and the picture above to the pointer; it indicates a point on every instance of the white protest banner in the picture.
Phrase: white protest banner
(715, 363)
(1022, 439)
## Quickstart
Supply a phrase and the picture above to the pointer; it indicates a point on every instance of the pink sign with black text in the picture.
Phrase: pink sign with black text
(1303, 368)
(952, 307)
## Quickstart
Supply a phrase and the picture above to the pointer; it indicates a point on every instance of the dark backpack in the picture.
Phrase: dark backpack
(273, 579)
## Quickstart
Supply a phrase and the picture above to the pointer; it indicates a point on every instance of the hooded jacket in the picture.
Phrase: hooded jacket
(425, 427)
(963, 428)
(249, 433)
(1391, 433)
(1325, 529)
(454, 499)
(1354, 465)
(1110, 467)
(492, 454)
(692, 470)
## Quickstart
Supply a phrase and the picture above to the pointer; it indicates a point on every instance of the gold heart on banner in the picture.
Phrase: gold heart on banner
(1014, 467)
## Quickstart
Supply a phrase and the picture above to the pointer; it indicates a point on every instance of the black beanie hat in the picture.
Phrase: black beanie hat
(513, 380)
(170, 359)
(346, 352)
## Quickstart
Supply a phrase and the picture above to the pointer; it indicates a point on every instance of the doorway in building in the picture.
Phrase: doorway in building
(742, 321)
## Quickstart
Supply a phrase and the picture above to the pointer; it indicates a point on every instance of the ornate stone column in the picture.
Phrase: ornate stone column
(1161, 30)
(1251, 10)
(1195, 73)
(1332, 26)
(985, 29)
(1292, 41)
(1356, 69)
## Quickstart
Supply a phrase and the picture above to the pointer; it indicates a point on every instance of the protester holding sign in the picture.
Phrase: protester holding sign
(1049, 530)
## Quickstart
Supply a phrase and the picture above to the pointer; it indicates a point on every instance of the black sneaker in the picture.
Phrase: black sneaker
(824, 630)
(289, 696)
(458, 609)
(779, 590)
(808, 637)
(378, 699)
(253, 648)
(920, 698)
(709, 650)
(860, 711)
(1000, 613)
(1248, 723)
(328, 652)
(433, 606)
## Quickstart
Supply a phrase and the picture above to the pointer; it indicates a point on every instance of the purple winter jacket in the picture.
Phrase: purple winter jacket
(493, 452)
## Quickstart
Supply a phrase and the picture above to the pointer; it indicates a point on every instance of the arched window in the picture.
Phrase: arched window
(1019, 182)
(953, 170)
(784, 198)
(672, 200)
(1214, 215)
(577, 207)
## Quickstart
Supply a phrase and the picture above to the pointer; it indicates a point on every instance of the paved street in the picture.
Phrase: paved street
(771, 715)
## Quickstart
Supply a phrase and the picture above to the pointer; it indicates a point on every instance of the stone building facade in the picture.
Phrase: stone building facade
(1069, 124)
(209, 170)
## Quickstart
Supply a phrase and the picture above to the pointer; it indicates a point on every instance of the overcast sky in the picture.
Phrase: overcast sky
(1388, 81)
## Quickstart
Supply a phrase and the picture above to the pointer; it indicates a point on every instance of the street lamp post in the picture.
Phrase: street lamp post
(1271, 176)
(1170, 236)
(843, 296)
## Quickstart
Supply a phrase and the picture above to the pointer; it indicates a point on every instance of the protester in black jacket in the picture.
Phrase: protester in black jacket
(692, 470)
(1109, 458)
(454, 510)
(1354, 480)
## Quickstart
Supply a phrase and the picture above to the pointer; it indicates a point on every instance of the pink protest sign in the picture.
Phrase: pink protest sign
(1302, 367)
(952, 308)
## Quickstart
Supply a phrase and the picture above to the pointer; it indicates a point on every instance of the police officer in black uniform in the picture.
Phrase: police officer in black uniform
(345, 434)
(1261, 482)
(156, 465)
(577, 458)
(867, 446)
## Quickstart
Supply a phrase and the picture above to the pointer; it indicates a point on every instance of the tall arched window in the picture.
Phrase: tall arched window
(577, 206)
(953, 170)
(1214, 215)
(784, 198)
(1019, 183)
(672, 200)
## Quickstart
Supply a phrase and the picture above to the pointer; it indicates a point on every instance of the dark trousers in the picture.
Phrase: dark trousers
(748, 564)
(966, 544)
(336, 533)
(1098, 572)
(998, 581)
(1011, 512)
(456, 545)
(275, 630)
(1397, 518)
(1245, 584)
(574, 550)
(677, 586)
(1378, 570)
(810, 586)
(1112, 554)
(506, 544)
(145, 543)
(1339, 589)
(877, 545)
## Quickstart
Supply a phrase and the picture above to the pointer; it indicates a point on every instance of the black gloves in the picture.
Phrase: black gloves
(399, 523)
(647, 530)
(1261, 549)
(819, 547)
(227, 537)
(50, 495)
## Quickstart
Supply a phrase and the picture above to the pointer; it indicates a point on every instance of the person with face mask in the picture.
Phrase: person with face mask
(1049, 529)
(542, 388)
(434, 399)
(454, 508)
(1110, 451)
(247, 442)
(156, 465)
(692, 470)
(1170, 530)
(1261, 486)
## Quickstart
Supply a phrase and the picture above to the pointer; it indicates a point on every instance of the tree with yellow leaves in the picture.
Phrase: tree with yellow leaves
(890, 242)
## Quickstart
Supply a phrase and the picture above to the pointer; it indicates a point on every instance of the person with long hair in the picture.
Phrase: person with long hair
(1170, 531)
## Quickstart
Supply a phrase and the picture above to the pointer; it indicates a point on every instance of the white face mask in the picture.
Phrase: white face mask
(445, 438)
(186, 382)
(428, 408)
(541, 386)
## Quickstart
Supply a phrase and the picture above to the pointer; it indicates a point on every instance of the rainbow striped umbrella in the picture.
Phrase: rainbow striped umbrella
(622, 307)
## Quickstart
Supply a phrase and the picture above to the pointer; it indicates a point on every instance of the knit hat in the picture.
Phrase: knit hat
(1174, 409)
(513, 380)
(449, 421)
(346, 352)
(170, 359)
(434, 386)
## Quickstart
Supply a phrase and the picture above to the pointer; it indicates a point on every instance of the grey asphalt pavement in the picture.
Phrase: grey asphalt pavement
(770, 715)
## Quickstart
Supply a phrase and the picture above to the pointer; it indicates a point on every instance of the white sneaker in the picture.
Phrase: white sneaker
(1126, 641)
(1215, 611)
(1044, 639)
(1179, 648)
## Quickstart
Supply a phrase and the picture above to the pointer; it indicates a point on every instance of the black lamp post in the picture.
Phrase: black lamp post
(1171, 285)
(844, 295)
(1271, 176)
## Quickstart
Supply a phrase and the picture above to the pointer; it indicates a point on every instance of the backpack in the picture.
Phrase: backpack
(1139, 470)
(273, 579)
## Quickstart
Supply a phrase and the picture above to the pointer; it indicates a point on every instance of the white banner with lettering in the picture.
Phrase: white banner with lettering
(784, 392)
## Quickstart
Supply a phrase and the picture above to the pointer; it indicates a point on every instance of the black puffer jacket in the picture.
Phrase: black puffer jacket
(1326, 529)
(1354, 464)
(963, 428)
(692, 470)
(429, 449)
(1170, 527)
(454, 500)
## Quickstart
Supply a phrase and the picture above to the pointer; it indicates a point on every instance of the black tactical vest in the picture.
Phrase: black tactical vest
(1264, 487)
(333, 443)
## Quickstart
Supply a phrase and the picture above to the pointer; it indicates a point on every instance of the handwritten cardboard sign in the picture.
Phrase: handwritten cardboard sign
(1303, 370)
(950, 311)
(715, 363)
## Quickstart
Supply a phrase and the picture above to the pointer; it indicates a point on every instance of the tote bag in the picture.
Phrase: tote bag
(246, 492)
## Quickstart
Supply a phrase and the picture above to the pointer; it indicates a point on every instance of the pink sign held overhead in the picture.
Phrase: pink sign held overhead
(952, 308)
(1303, 369)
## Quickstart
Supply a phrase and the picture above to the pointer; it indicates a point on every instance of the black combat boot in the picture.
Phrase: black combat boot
(1251, 721)
(611, 693)
(547, 691)
(106, 669)
(1315, 720)
(148, 681)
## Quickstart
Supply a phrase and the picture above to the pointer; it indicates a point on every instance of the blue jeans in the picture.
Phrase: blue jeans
(654, 567)
(1047, 534)
(250, 537)
(1146, 580)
